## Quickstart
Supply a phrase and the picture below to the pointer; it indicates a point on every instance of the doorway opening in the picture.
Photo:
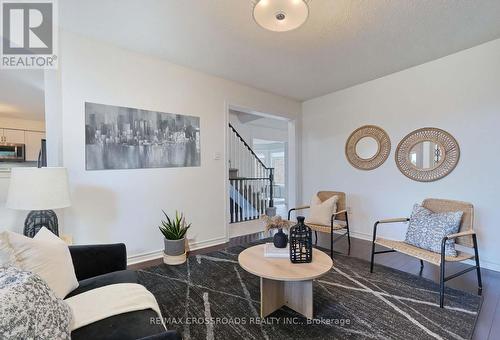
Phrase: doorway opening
(22, 119)
(258, 168)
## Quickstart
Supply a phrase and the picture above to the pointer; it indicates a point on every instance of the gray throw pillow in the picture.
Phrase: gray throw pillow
(427, 229)
(29, 309)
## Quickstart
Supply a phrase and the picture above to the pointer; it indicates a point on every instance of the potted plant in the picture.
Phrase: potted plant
(174, 230)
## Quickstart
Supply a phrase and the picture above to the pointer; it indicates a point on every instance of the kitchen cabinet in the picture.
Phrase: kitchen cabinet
(31, 139)
(33, 142)
(12, 136)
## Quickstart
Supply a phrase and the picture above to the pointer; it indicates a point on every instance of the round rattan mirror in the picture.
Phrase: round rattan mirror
(367, 147)
(427, 154)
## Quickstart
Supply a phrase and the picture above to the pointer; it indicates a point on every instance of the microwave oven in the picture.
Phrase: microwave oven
(12, 152)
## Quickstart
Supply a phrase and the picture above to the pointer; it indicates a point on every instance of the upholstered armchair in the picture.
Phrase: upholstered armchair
(466, 237)
(338, 222)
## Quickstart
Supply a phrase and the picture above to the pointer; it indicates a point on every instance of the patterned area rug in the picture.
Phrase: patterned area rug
(212, 297)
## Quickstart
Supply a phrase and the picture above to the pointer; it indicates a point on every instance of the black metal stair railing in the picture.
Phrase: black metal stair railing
(250, 181)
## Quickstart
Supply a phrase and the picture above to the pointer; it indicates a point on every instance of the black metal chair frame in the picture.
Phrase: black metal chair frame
(442, 277)
(332, 220)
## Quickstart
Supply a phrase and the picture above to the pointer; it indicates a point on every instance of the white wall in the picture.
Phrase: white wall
(460, 94)
(125, 205)
(53, 117)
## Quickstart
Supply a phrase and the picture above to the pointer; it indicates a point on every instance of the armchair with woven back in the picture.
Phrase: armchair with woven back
(466, 237)
(339, 220)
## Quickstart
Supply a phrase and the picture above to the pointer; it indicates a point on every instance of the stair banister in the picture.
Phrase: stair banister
(252, 189)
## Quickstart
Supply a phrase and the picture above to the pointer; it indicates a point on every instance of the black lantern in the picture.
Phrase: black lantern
(300, 242)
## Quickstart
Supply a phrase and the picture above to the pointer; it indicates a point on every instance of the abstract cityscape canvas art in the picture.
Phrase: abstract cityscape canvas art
(126, 138)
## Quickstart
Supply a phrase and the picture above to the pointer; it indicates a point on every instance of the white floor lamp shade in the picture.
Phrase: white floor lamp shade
(39, 190)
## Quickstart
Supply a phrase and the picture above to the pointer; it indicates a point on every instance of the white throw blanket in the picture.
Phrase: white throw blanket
(101, 303)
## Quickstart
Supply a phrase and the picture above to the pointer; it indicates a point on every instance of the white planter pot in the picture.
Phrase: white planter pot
(174, 260)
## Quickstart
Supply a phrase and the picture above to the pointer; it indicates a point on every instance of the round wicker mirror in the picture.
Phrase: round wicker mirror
(427, 154)
(367, 147)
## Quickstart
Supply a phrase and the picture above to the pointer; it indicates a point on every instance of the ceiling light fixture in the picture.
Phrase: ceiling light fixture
(280, 15)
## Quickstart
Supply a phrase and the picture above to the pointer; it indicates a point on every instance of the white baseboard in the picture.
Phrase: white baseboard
(207, 243)
(143, 257)
(156, 254)
(486, 264)
(361, 236)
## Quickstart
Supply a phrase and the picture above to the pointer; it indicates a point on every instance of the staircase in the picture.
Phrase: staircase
(250, 181)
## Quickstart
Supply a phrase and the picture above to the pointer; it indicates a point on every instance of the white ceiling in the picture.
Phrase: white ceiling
(259, 121)
(22, 94)
(343, 43)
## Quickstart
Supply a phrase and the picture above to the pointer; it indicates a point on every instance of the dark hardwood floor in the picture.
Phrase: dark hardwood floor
(488, 323)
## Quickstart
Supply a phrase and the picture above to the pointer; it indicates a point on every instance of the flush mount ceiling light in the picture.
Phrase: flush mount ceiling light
(280, 15)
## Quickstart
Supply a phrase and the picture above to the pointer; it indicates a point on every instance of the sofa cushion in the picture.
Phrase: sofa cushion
(122, 276)
(132, 325)
(168, 335)
(98, 259)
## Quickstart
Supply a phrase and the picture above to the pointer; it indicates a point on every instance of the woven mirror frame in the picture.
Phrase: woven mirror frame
(384, 147)
(449, 154)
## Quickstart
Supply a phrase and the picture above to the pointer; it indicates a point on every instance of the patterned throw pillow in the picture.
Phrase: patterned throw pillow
(427, 229)
(29, 309)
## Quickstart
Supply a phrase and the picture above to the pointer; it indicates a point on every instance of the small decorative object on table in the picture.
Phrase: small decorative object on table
(271, 251)
(280, 239)
(174, 230)
(300, 242)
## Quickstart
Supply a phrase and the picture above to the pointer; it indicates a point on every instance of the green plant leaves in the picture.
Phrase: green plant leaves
(174, 228)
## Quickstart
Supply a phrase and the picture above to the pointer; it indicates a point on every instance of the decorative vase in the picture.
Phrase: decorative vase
(175, 251)
(300, 242)
(280, 239)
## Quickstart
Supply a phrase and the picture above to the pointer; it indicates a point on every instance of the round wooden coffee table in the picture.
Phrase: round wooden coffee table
(283, 283)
